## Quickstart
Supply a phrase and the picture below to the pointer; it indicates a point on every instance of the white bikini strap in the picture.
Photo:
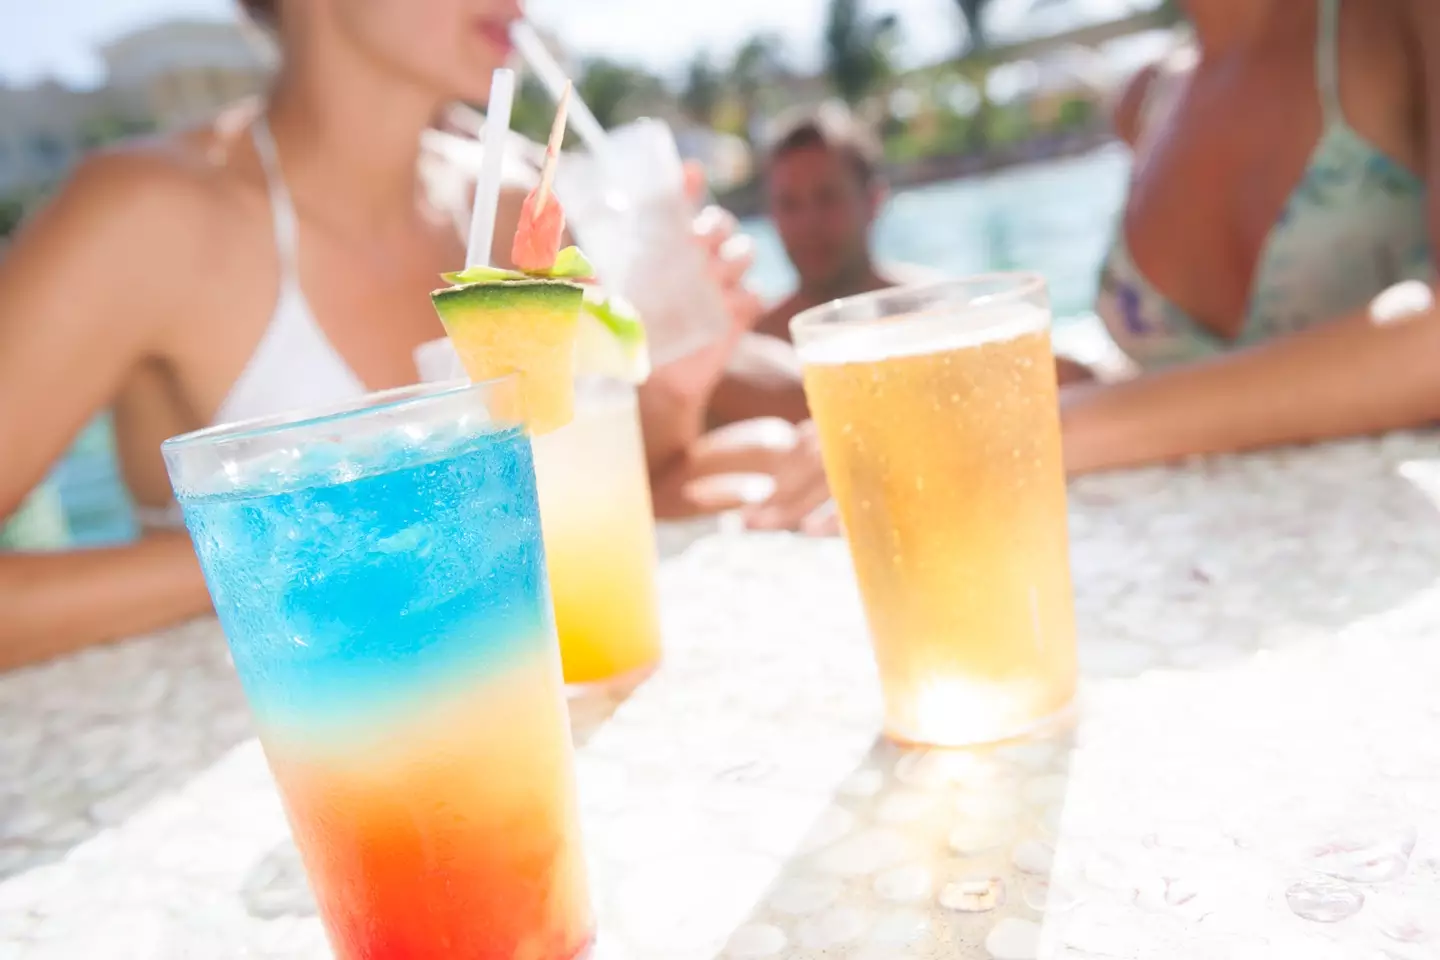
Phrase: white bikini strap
(282, 208)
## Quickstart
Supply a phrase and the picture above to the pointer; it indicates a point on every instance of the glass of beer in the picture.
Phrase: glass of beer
(938, 418)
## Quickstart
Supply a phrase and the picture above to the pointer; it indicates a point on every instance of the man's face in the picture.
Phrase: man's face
(823, 212)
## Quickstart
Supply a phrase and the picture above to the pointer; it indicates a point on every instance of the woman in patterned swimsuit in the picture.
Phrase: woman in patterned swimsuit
(1271, 275)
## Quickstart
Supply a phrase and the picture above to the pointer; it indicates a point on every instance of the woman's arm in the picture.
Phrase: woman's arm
(762, 380)
(1377, 369)
(85, 291)
(1372, 371)
(58, 603)
(1127, 113)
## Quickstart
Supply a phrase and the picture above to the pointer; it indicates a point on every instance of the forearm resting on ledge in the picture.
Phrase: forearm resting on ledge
(1375, 370)
(763, 380)
(53, 604)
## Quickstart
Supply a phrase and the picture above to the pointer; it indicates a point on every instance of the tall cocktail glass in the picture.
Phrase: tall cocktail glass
(380, 575)
(599, 528)
(600, 537)
(939, 425)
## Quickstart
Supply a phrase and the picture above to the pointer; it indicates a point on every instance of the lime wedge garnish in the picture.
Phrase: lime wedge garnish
(615, 316)
(482, 275)
(570, 264)
(611, 341)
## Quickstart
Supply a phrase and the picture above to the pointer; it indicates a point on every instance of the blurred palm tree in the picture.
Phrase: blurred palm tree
(106, 129)
(534, 111)
(976, 70)
(758, 63)
(858, 49)
(703, 91)
(16, 206)
(12, 212)
(610, 89)
(973, 11)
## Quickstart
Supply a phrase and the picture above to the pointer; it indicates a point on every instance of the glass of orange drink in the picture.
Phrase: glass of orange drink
(599, 525)
(938, 418)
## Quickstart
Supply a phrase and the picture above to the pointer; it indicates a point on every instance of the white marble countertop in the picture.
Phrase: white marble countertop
(1255, 772)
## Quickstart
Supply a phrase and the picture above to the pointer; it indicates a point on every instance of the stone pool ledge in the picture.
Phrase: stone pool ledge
(1255, 771)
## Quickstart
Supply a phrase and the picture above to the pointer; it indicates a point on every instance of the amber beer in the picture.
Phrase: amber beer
(939, 426)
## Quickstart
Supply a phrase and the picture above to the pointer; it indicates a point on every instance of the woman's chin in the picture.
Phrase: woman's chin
(473, 86)
(475, 90)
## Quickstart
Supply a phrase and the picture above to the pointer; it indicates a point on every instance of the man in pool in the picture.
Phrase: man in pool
(825, 191)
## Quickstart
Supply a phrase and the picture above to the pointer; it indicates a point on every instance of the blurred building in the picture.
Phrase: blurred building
(181, 72)
(170, 75)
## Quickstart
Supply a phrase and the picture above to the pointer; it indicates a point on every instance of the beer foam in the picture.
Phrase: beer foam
(918, 334)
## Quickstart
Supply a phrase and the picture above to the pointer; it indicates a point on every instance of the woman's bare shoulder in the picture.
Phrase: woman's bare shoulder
(145, 222)
(166, 186)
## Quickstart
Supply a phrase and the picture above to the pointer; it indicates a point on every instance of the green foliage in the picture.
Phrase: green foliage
(759, 62)
(15, 207)
(906, 147)
(533, 111)
(1007, 125)
(12, 212)
(957, 133)
(1076, 113)
(941, 130)
(858, 49)
(100, 131)
(977, 41)
(703, 91)
(858, 60)
(611, 89)
(981, 126)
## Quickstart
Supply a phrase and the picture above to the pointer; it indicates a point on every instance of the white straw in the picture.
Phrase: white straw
(550, 74)
(487, 186)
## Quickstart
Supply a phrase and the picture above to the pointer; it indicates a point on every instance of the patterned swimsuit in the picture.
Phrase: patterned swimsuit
(1354, 225)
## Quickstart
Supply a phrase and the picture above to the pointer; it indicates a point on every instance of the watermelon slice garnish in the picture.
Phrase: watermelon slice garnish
(524, 319)
(541, 229)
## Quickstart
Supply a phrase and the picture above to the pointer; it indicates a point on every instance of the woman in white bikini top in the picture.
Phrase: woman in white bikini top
(279, 258)
(295, 366)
